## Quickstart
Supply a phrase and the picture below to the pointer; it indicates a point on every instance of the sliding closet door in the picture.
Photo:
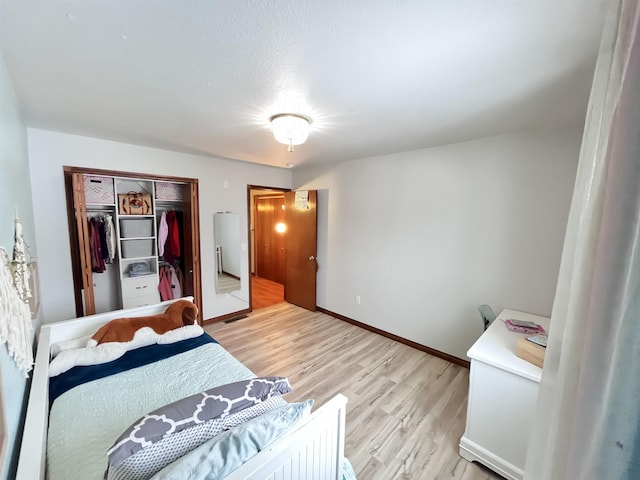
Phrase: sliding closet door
(80, 254)
(191, 216)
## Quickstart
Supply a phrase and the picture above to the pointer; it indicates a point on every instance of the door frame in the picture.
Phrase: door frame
(251, 258)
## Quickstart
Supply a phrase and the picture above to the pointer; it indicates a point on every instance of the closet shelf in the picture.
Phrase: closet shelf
(100, 207)
(122, 239)
(129, 259)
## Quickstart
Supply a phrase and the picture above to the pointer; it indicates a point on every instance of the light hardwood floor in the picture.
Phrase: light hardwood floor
(265, 293)
(227, 283)
(406, 408)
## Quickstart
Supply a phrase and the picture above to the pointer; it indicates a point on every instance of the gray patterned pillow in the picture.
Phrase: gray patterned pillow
(215, 403)
(147, 462)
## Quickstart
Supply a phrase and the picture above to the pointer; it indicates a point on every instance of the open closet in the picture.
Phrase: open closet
(135, 239)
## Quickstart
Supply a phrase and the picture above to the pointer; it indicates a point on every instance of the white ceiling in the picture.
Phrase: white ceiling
(376, 76)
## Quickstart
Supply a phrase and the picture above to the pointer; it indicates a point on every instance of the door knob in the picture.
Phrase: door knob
(312, 258)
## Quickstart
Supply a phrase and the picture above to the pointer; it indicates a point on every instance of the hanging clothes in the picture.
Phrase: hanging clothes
(95, 246)
(102, 233)
(110, 232)
(169, 285)
(176, 288)
(164, 286)
(163, 232)
(172, 246)
(179, 238)
(180, 277)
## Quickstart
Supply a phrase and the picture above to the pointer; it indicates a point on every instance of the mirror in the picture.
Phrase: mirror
(226, 232)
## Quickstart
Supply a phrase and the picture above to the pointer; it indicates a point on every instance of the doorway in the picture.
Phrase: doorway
(283, 259)
(266, 246)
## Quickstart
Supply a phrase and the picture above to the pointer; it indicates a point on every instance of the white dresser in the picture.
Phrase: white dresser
(503, 390)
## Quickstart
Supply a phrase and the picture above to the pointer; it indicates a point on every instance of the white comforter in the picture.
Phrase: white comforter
(85, 421)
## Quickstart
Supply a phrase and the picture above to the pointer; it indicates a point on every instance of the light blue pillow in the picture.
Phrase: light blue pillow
(227, 451)
(347, 470)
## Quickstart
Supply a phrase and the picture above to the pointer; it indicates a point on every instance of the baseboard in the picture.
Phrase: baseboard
(228, 316)
(410, 343)
(235, 319)
(231, 275)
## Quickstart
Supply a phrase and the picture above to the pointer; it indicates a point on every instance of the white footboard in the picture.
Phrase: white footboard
(313, 450)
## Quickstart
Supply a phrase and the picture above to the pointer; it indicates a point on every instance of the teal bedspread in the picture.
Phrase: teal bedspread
(85, 421)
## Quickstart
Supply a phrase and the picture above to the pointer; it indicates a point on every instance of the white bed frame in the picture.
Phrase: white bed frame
(313, 450)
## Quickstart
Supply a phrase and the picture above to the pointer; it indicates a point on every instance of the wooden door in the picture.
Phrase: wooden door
(80, 251)
(270, 243)
(191, 252)
(264, 237)
(301, 248)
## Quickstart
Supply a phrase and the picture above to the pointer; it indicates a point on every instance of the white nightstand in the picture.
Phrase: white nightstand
(503, 390)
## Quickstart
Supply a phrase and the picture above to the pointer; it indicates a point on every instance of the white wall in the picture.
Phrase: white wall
(425, 237)
(49, 151)
(15, 192)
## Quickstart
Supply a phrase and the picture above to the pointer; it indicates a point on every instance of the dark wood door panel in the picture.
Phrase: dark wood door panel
(301, 250)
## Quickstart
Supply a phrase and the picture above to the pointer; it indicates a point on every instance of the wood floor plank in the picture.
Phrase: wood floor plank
(406, 410)
(265, 293)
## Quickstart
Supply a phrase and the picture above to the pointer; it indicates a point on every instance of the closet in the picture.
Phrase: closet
(135, 239)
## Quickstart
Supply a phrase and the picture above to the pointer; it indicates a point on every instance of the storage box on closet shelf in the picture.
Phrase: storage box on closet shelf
(99, 190)
(137, 248)
(136, 227)
(139, 269)
(168, 191)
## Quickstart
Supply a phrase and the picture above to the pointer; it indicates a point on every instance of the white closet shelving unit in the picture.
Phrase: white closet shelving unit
(137, 249)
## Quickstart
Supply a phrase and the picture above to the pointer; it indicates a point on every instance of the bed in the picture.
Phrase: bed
(69, 437)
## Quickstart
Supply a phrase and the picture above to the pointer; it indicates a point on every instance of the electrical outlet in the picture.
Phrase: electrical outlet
(357, 299)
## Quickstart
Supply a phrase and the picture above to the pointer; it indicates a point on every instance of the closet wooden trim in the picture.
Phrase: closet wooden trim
(117, 173)
(82, 231)
(76, 267)
(194, 262)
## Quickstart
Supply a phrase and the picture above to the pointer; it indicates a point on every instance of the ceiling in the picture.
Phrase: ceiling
(377, 77)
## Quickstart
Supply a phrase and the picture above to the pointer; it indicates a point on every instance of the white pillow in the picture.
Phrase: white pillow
(74, 357)
(58, 347)
(106, 352)
(182, 333)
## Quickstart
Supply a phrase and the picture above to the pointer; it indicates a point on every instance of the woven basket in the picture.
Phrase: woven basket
(98, 190)
(136, 227)
(137, 248)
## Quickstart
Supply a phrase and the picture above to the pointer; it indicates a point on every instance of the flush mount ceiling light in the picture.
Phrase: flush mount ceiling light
(290, 129)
